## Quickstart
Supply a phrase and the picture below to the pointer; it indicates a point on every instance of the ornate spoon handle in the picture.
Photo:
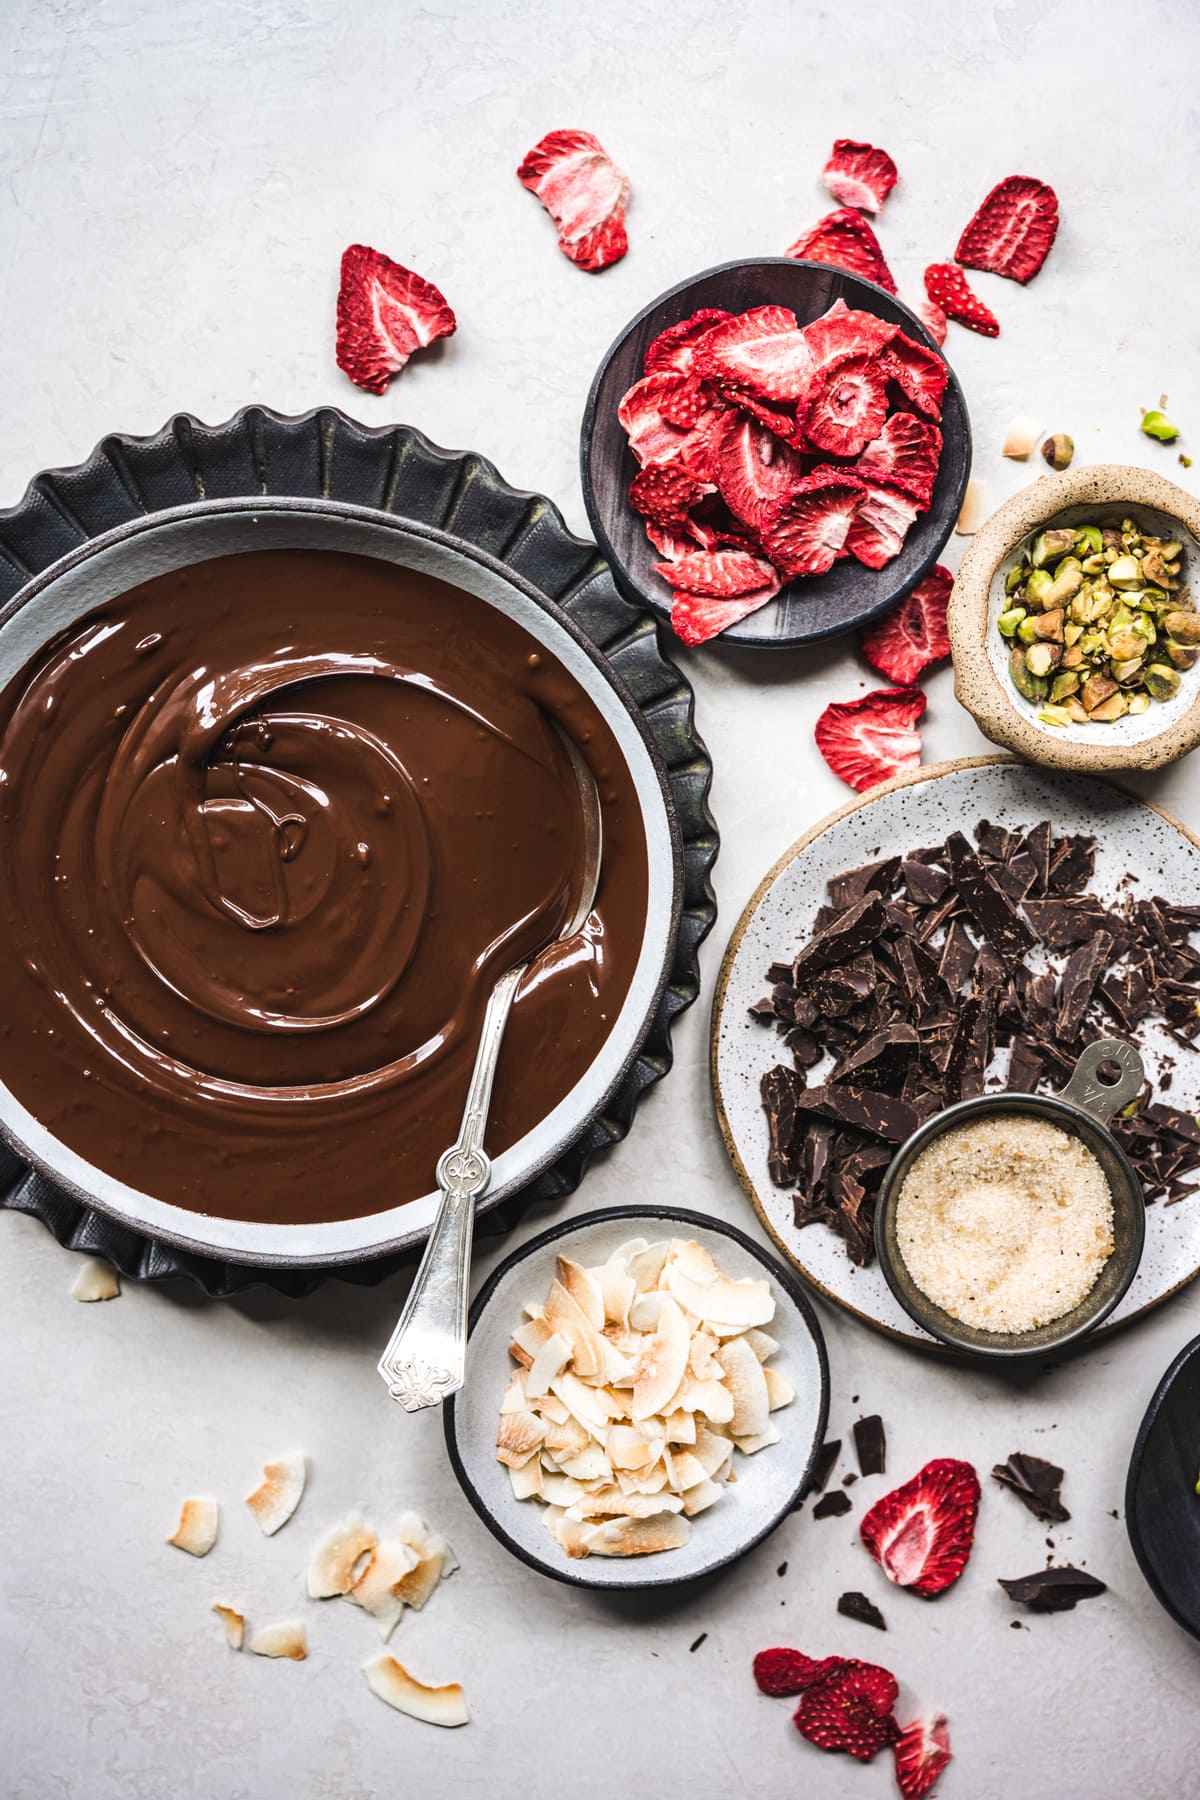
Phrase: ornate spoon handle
(426, 1355)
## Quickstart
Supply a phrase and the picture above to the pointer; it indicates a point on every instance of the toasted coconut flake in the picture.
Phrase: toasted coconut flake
(640, 1537)
(652, 1480)
(392, 1682)
(643, 1310)
(590, 1465)
(280, 1640)
(519, 1436)
(336, 1557)
(728, 1304)
(627, 1448)
(684, 1470)
(712, 1448)
(550, 1359)
(746, 1382)
(519, 1355)
(614, 1502)
(681, 1427)
(761, 1342)
(575, 1535)
(975, 509)
(699, 1498)
(561, 1490)
(568, 1320)
(617, 1288)
(234, 1623)
(702, 1361)
(515, 1399)
(199, 1522)
(435, 1560)
(96, 1280)
(1022, 438)
(530, 1336)
(582, 1289)
(780, 1391)
(661, 1366)
(593, 1407)
(761, 1441)
(619, 1369)
(647, 1265)
(280, 1493)
(710, 1398)
(566, 1440)
(527, 1480)
(552, 1410)
(375, 1588)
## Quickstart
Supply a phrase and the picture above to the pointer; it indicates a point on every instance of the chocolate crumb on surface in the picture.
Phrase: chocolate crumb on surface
(1053, 1589)
(832, 1506)
(870, 1443)
(857, 1606)
(849, 1478)
(913, 976)
(782, 1569)
(696, 1645)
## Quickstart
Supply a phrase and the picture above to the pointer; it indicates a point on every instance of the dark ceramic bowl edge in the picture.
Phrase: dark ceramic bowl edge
(1136, 1457)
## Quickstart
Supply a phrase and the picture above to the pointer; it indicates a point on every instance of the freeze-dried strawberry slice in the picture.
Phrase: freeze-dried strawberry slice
(921, 1533)
(675, 348)
(696, 618)
(947, 288)
(697, 453)
(653, 437)
(905, 455)
(910, 637)
(777, 415)
(663, 492)
(922, 1751)
(763, 350)
(847, 331)
(718, 574)
(848, 404)
(846, 240)
(804, 531)
(919, 372)
(782, 1672)
(752, 468)
(869, 740)
(881, 523)
(672, 541)
(384, 313)
(851, 1711)
(712, 526)
(584, 192)
(932, 318)
(1013, 230)
(859, 175)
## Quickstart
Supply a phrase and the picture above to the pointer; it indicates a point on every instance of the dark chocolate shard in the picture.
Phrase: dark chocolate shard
(824, 1463)
(1053, 1590)
(763, 1009)
(781, 1088)
(872, 878)
(958, 957)
(925, 883)
(994, 841)
(1018, 876)
(1037, 843)
(870, 1444)
(832, 1506)
(987, 903)
(1072, 865)
(854, 1216)
(1036, 1484)
(853, 931)
(1079, 978)
(1024, 1065)
(857, 1606)
(885, 1053)
(880, 1114)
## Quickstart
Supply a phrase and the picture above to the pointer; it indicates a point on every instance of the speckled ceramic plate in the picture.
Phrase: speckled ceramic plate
(768, 1483)
(1134, 839)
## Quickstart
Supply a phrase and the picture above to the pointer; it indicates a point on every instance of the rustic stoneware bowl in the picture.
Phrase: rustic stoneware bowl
(981, 680)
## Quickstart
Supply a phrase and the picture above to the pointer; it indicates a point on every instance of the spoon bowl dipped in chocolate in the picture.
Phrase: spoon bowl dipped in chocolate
(426, 1355)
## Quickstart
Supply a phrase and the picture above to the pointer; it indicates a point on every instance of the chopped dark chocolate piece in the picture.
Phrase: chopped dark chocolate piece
(989, 974)
(937, 915)
(994, 841)
(696, 1643)
(1179, 1124)
(855, 884)
(1079, 978)
(988, 904)
(1127, 994)
(870, 1444)
(763, 1009)
(857, 1606)
(925, 883)
(958, 957)
(803, 1046)
(1054, 1589)
(970, 1051)
(832, 1506)
(1018, 876)
(852, 931)
(1036, 1484)
(880, 1114)
(824, 1463)
(1024, 1065)
(885, 1053)
(853, 1218)
(779, 972)
(849, 1478)
(1072, 865)
(781, 1089)
(1037, 843)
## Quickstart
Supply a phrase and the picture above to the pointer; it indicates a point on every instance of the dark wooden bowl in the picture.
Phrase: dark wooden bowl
(1162, 1507)
(816, 606)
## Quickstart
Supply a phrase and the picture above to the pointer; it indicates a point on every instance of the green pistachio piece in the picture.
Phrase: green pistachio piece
(1162, 683)
(1066, 584)
(1072, 633)
(1089, 538)
(1156, 424)
(1058, 450)
(1031, 686)
(1008, 621)
(1040, 582)
(1139, 703)
(1027, 631)
(1125, 572)
(1065, 684)
(1094, 564)
(1015, 577)
(1172, 549)
(1115, 707)
(1048, 546)
(1041, 658)
(1125, 669)
(1054, 715)
(1182, 656)
(1184, 627)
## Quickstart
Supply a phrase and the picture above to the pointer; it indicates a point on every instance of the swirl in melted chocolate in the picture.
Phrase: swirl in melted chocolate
(272, 827)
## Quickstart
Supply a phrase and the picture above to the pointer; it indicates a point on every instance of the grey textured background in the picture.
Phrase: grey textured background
(177, 184)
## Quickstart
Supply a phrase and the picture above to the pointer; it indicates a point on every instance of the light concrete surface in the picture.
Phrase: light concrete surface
(176, 185)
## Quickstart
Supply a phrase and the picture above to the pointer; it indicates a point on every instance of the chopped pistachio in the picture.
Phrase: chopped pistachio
(1048, 546)
(1182, 656)
(1156, 424)
(1015, 577)
(1027, 631)
(1065, 684)
(1058, 450)
(1126, 572)
(1025, 683)
(1041, 658)
(1139, 703)
(1054, 715)
(1184, 627)
(1162, 683)
(1115, 707)
(1040, 582)
(1008, 621)
(1089, 538)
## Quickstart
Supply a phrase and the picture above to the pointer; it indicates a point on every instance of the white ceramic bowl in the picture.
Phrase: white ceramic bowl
(109, 566)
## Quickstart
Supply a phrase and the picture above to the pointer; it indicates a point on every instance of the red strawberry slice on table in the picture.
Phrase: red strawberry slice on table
(585, 194)
(384, 313)
(859, 175)
(851, 1710)
(803, 532)
(847, 406)
(674, 350)
(905, 455)
(922, 1751)
(881, 523)
(921, 1534)
(752, 467)
(920, 374)
(783, 1672)
(908, 638)
(870, 740)
(947, 288)
(846, 240)
(1013, 231)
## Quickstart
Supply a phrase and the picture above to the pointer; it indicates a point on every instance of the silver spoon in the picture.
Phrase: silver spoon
(426, 1354)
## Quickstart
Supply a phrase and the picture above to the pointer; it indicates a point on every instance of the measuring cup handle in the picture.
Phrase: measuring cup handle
(1100, 1098)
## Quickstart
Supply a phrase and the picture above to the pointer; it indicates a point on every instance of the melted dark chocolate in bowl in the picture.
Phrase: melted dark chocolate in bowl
(272, 827)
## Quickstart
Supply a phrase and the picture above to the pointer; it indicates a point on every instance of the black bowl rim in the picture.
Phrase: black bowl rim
(787, 1280)
(651, 602)
(310, 507)
(1007, 1347)
(1136, 1458)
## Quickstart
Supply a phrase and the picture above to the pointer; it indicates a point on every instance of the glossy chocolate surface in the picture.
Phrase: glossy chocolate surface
(272, 826)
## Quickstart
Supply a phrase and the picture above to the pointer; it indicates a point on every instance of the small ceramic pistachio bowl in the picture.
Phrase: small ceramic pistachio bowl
(1156, 731)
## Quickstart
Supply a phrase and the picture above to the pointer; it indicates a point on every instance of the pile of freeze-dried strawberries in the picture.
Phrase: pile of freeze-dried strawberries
(769, 450)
